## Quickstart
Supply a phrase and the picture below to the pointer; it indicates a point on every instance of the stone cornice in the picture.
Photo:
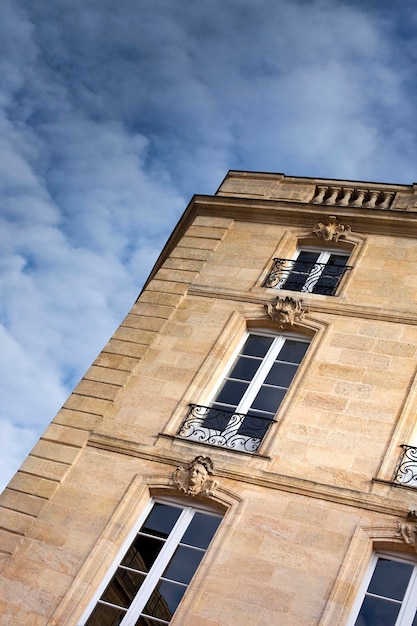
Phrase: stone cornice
(397, 506)
(295, 213)
(329, 305)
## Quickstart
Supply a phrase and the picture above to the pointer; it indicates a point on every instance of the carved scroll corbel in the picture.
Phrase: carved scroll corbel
(286, 311)
(408, 531)
(332, 231)
(194, 479)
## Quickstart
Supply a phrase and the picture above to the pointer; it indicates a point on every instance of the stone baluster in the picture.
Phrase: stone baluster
(321, 192)
(347, 194)
(333, 195)
(373, 196)
(360, 198)
(388, 196)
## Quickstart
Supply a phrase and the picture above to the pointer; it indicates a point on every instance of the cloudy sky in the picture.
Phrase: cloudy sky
(112, 114)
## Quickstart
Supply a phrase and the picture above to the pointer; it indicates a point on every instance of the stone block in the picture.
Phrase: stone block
(125, 348)
(117, 361)
(45, 468)
(56, 451)
(22, 502)
(98, 406)
(113, 377)
(77, 419)
(33, 485)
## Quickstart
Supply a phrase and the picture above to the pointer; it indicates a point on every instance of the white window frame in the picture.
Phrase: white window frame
(245, 443)
(262, 371)
(324, 256)
(409, 603)
(160, 563)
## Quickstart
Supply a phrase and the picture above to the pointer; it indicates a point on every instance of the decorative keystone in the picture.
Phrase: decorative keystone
(332, 231)
(194, 479)
(286, 311)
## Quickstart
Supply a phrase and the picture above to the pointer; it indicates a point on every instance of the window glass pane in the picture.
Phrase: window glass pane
(164, 599)
(183, 564)
(123, 587)
(217, 419)
(377, 612)
(338, 260)
(281, 374)
(390, 579)
(306, 256)
(231, 393)
(257, 345)
(104, 615)
(201, 530)
(254, 427)
(245, 368)
(161, 520)
(330, 275)
(148, 621)
(414, 620)
(268, 399)
(293, 351)
(142, 553)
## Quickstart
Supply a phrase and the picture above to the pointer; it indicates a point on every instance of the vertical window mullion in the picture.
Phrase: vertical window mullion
(260, 375)
(158, 567)
(323, 259)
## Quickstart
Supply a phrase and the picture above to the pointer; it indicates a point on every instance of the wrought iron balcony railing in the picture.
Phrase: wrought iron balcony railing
(406, 473)
(305, 276)
(218, 427)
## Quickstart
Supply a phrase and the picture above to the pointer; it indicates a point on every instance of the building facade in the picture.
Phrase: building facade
(244, 449)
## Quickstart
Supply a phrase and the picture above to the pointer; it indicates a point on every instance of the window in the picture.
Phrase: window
(249, 395)
(390, 598)
(157, 568)
(312, 271)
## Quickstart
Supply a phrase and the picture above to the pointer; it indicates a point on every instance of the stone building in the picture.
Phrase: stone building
(243, 450)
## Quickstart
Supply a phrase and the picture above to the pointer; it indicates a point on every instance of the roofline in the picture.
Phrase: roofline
(281, 175)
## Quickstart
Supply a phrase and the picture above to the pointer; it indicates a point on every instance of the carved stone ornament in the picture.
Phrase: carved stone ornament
(332, 231)
(408, 532)
(195, 479)
(286, 311)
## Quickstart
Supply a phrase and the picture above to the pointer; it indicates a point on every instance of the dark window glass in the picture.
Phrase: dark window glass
(377, 612)
(104, 615)
(245, 368)
(201, 530)
(145, 620)
(390, 579)
(281, 374)
(255, 427)
(268, 399)
(123, 587)
(257, 345)
(164, 599)
(183, 564)
(148, 621)
(217, 418)
(161, 520)
(293, 351)
(142, 553)
(231, 393)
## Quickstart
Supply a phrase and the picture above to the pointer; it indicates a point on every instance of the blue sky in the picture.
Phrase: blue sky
(112, 115)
